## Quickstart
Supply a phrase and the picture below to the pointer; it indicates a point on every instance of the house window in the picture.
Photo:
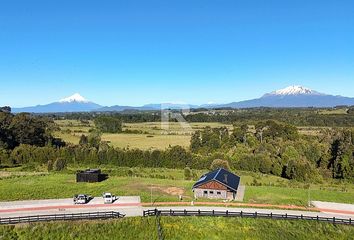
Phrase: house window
(211, 192)
(218, 193)
(205, 192)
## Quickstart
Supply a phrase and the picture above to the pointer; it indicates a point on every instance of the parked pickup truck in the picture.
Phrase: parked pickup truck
(109, 198)
(81, 199)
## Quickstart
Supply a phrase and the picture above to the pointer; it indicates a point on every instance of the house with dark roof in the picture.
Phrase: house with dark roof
(218, 184)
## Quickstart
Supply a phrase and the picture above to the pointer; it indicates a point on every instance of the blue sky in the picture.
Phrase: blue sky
(138, 52)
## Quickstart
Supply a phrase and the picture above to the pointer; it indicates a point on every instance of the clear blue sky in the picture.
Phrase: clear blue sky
(138, 52)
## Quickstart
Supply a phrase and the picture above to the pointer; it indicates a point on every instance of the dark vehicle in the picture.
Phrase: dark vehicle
(82, 199)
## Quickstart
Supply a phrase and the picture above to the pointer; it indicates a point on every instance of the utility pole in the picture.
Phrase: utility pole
(151, 193)
(309, 196)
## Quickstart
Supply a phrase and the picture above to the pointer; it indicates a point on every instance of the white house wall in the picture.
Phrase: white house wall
(210, 193)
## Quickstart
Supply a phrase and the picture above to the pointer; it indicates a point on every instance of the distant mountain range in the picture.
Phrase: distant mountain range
(292, 97)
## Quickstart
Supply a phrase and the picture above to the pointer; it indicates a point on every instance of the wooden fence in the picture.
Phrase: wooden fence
(160, 234)
(61, 217)
(242, 214)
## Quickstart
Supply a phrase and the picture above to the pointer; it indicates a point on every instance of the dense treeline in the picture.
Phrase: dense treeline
(277, 148)
(24, 129)
(173, 157)
(293, 116)
(108, 124)
(127, 117)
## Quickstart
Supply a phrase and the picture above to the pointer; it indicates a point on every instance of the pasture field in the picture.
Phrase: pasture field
(156, 128)
(146, 141)
(166, 185)
(172, 128)
(150, 135)
(140, 141)
(179, 228)
(337, 111)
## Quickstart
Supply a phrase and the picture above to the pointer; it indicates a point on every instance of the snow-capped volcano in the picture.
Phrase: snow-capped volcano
(293, 96)
(293, 90)
(74, 98)
(74, 103)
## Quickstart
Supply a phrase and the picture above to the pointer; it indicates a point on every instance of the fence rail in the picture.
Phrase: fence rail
(61, 217)
(242, 214)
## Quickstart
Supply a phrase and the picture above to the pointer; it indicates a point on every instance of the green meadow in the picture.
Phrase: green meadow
(166, 185)
(149, 135)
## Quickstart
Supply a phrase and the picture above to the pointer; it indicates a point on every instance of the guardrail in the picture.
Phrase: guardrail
(62, 217)
(183, 213)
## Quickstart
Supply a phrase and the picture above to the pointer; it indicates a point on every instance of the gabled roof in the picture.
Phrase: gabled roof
(222, 176)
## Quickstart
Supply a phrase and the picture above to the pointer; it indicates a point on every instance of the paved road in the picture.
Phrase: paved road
(64, 202)
(334, 207)
(131, 206)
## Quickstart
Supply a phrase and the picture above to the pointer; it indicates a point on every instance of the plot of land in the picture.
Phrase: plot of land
(143, 141)
(166, 184)
(150, 135)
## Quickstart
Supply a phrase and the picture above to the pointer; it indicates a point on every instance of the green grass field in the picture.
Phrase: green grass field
(166, 185)
(146, 141)
(141, 141)
(64, 186)
(172, 128)
(127, 228)
(179, 228)
(152, 134)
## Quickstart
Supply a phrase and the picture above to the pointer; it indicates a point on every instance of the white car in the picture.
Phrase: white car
(108, 198)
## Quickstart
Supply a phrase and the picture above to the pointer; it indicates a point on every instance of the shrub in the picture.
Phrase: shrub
(50, 165)
(83, 140)
(94, 139)
(59, 164)
(108, 124)
(130, 172)
(187, 173)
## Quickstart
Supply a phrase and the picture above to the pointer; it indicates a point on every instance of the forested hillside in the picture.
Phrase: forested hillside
(278, 149)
